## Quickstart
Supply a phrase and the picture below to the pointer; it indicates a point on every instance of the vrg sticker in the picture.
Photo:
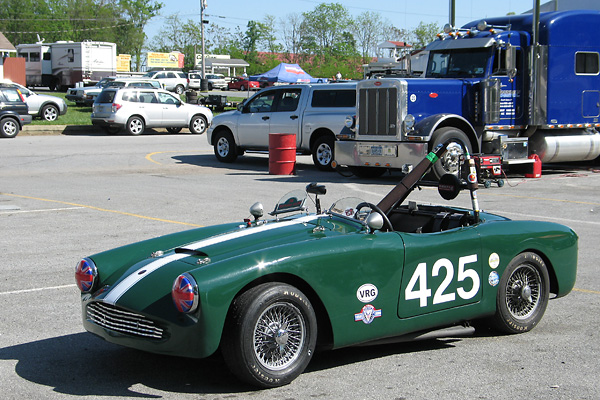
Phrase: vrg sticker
(367, 314)
(367, 293)
(417, 288)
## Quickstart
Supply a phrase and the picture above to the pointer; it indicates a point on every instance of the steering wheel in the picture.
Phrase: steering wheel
(387, 225)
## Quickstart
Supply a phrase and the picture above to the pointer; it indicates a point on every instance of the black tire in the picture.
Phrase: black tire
(9, 128)
(270, 335)
(242, 88)
(198, 125)
(449, 163)
(210, 86)
(225, 147)
(322, 152)
(135, 125)
(49, 112)
(179, 89)
(111, 130)
(522, 294)
(367, 172)
(174, 129)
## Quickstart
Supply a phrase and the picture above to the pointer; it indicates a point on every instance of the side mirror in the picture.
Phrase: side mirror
(375, 221)
(257, 210)
(511, 61)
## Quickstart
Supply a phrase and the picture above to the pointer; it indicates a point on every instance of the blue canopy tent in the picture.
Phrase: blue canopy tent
(287, 73)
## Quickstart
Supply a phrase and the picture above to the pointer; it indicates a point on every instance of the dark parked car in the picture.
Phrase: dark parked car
(14, 112)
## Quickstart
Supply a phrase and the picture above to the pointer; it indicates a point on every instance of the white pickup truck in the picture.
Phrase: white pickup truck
(314, 112)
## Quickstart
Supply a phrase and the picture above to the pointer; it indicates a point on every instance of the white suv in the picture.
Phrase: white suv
(174, 81)
(136, 109)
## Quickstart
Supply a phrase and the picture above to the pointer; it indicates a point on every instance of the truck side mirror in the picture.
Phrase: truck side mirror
(511, 61)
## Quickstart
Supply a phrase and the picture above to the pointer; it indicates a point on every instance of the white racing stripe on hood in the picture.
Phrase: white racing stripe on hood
(122, 287)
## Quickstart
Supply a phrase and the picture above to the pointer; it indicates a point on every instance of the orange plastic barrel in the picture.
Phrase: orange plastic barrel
(537, 167)
(282, 153)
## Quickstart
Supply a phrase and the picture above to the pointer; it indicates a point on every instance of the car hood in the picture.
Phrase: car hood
(151, 279)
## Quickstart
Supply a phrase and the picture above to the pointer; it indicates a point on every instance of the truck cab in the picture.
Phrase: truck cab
(513, 86)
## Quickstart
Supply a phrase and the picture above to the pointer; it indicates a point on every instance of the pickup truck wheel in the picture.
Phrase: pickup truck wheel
(270, 335)
(198, 125)
(49, 112)
(9, 128)
(225, 148)
(322, 153)
(450, 161)
(135, 126)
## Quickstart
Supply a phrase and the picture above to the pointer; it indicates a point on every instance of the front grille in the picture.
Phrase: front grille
(378, 111)
(116, 319)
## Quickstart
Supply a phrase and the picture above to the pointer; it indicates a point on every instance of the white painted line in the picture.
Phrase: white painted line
(41, 210)
(38, 289)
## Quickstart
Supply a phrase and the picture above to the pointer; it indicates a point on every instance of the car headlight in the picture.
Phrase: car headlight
(185, 293)
(85, 275)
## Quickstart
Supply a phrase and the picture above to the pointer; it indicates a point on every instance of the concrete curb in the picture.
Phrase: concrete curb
(42, 130)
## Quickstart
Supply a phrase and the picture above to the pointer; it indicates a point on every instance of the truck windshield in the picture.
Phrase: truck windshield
(463, 63)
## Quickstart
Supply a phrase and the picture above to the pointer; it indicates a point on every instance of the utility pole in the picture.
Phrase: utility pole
(203, 82)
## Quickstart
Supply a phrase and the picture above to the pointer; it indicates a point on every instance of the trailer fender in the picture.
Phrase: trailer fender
(427, 126)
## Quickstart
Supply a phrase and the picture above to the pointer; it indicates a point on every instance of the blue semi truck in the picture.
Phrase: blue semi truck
(513, 86)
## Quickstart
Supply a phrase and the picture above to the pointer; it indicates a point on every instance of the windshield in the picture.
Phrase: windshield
(346, 207)
(464, 63)
(292, 201)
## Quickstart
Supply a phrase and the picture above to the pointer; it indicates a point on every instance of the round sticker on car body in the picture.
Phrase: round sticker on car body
(367, 293)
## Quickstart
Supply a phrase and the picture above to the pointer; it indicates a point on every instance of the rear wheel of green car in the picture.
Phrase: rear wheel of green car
(270, 335)
(523, 294)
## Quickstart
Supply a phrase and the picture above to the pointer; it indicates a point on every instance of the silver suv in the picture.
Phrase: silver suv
(173, 81)
(136, 109)
(46, 107)
(90, 96)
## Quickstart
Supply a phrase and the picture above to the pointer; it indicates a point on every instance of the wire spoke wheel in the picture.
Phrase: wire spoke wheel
(523, 291)
(279, 335)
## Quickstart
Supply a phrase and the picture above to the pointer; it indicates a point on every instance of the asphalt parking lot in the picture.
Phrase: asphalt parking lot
(64, 197)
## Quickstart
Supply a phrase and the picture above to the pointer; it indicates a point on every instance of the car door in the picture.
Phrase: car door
(285, 117)
(253, 123)
(442, 270)
(149, 106)
(173, 114)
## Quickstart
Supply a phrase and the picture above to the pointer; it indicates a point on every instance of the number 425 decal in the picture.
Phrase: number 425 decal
(423, 293)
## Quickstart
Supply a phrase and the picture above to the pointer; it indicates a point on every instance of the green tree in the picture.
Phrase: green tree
(137, 13)
(324, 28)
(424, 33)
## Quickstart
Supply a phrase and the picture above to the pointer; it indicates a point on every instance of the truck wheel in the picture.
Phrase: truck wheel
(450, 161)
(9, 128)
(225, 148)
(49, 112)
(322, 153)
(198, 125)
(135, 126)
(522, 294)
(270, 335)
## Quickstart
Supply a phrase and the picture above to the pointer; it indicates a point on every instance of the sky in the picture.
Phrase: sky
(404, 14)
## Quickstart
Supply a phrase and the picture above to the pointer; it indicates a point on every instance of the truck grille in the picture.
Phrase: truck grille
(116, 319)
(378, 111)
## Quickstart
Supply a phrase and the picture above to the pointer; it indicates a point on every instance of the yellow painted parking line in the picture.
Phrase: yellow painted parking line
(150, 155)
(586, 291)
(100, 209)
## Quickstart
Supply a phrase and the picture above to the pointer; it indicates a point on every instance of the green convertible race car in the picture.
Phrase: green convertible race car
(267, 292)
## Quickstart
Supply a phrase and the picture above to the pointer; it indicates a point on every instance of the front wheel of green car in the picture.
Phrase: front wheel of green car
(270, 335)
